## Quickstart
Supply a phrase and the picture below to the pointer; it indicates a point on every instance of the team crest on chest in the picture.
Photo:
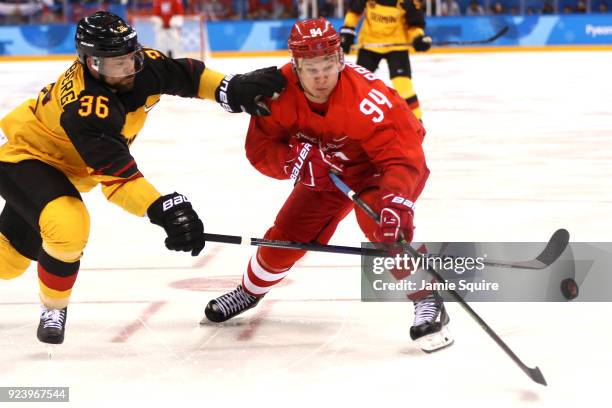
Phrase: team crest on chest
(301, 136)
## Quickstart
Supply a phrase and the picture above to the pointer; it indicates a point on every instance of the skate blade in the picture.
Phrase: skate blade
(51, 350)
(435, 341)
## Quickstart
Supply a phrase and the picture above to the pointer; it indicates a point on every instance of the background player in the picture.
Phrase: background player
(77, 134)
(168, 25)
(393, 25)
(333, 116)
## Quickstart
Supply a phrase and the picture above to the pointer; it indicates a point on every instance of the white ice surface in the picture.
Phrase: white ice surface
(519, 144)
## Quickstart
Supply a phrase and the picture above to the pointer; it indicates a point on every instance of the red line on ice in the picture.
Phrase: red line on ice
(137, 324)
(255, 322)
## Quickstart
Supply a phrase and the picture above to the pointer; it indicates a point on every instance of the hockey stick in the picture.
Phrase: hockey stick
(534, 373)
(494, 37)
(553, 250)
(556, 245)
(439, 43)
(335, 249)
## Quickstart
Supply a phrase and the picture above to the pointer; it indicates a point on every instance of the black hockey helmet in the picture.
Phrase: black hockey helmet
(103, 36)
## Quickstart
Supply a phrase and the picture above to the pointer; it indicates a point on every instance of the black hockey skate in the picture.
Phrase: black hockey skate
(430, 329)
(229, 305)
(52, 325)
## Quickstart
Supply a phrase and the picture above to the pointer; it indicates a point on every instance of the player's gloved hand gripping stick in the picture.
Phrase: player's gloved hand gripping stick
(184, 229)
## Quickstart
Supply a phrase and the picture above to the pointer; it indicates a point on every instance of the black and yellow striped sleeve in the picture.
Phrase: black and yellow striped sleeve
(185, 77)
(93, 124)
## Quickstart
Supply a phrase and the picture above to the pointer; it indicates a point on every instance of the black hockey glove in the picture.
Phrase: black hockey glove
(347, 38)
(422, 43)
(245, 92)
(185, 230)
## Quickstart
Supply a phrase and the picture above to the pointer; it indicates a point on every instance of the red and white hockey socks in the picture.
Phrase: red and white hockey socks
(259, 277)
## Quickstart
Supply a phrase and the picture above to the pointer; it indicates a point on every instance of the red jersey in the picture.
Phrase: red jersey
(368, 129)
(166, 9)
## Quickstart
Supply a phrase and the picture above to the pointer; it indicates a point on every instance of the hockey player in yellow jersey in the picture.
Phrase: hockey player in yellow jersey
(77, 134)
(389, 28)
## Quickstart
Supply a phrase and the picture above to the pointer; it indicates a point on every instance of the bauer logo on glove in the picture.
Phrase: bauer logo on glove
(174, 200)
(307, 164)
(298, 162)
(245, 92)
(184, 229)
(396, 216)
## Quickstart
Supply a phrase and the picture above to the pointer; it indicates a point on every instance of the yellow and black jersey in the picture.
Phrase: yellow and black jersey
(386, 22)
(83, 128)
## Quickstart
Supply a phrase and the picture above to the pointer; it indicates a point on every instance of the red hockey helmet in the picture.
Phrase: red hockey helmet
(314, 38)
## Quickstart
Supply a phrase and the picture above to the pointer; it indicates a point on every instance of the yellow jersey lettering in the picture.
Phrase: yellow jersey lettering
(89, 105)
(102, 107)
(153, 54)
(86, 106)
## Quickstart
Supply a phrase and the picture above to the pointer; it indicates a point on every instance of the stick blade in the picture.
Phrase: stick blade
(553, 250)
(500, 33)
(556, 245)
(536, 375)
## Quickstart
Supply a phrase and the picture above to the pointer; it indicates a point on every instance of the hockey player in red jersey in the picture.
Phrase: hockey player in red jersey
(168, 24)
(166, 9)
(335, 116)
